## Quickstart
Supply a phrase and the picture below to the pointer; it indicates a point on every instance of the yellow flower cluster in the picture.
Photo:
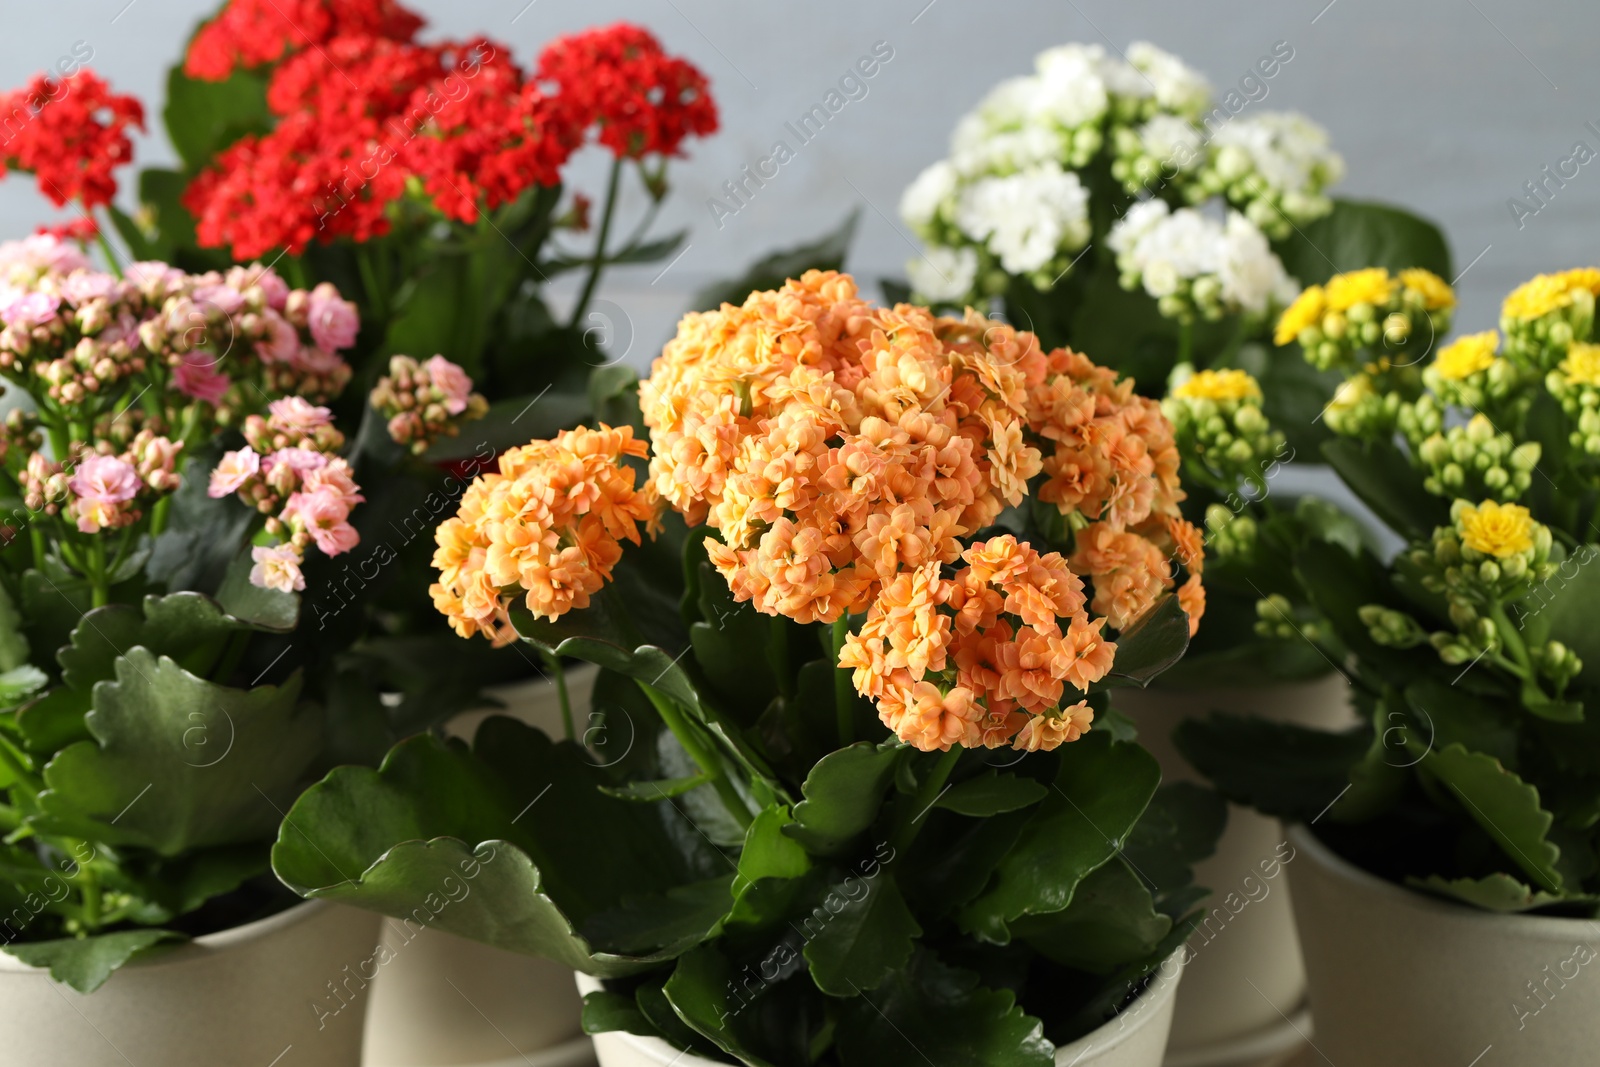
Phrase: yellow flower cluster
(1219, 385)
(1547, 293)
(1367, 310)
(1466, 356)
(1499, 530)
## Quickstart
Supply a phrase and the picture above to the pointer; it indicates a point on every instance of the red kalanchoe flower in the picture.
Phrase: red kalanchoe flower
(70, 133)
(251, 33)
(645, 101)
(82, 229)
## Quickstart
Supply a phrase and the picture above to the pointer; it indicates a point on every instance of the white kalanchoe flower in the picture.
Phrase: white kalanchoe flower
(1274, 167)
(927, 196)
(1027, 219)
(1070, 90)
(1195, 265)
(1177, 87)
(943, 275)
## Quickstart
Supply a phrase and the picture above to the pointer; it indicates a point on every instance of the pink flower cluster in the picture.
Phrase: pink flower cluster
(290, 474)
(102, 490)
(425, 401)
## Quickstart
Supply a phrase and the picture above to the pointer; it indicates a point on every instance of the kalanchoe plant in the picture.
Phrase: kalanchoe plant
(850, 773)
(1472, 652)
(1114, 204)
(143, 736)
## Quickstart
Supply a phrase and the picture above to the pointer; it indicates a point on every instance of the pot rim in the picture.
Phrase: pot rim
(205, 944)
(1554, 927)
(1150, 1001)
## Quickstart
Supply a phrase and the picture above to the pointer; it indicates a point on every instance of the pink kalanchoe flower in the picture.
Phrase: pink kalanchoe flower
(219, 298)
(451, 381)
(277, 567)
(197, 377)
(297, 459)
(233, 471)
(274, 290)
(23, 310)
(282, 341)
(102, 484)
(334, 321)
(323, 513)
(296, 415)
(334, 478)
(82, 286)
(42, 253)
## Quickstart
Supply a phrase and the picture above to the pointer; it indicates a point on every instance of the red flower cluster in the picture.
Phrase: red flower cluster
(645, 101)
(70, 133)
(251, 33)
(363, 114)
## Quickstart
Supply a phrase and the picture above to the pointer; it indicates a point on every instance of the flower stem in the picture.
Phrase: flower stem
(598, 263)
(704, 757)
(553, 661)
(105, 247)
(844, 702)
(927, 795)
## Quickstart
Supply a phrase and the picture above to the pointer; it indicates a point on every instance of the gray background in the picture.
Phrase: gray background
(1444, 106)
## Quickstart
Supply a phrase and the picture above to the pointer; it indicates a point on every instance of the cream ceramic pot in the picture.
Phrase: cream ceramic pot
(445, 1001)
(283, 990)
(1244, 1002)
(1402, 979)
(1136, 1038)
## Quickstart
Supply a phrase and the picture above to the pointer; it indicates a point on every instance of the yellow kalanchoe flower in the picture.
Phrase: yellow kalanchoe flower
(1219, 385)
(1434, 290)
(1544, 293)
(1370, 285)
(1499, 530)
(1582, 365)
(1467, 355)
(1306, 311)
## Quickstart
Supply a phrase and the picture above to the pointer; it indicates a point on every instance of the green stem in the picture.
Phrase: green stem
(98, 582)
(597, 264)
(1513, 642)
(553, 661)
(844, 694)
(158, 516)
(105, 247)
(928, 792)
(369, 280)
(90, 888)
(705, 757)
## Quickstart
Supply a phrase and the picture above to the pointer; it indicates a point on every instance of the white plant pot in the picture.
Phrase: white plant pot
(284, 990)
(1136, 1038)
(446, 1001)
(1245, 1000)
(1402, 979)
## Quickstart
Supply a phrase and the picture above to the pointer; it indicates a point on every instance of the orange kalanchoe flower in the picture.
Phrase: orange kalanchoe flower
(843, 454)
(548, 526)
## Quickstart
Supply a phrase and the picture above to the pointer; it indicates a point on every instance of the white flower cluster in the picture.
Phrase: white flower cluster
(1274, 167)
(1008, 201)
(1196, 265)
(1012, 200)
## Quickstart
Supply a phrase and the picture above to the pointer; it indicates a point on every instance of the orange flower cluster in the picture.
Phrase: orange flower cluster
(981, 659)
(843, 451)
(548, 526)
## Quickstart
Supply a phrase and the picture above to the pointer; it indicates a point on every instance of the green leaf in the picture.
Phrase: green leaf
(606, 1012)
(933, 1013)
(1111, 922)
(436, 816)
(20, 683)
(1498, 892)
(990, 794)
(843, 795)
(178, 763)
(13, 643)
(204, 117)
(1279, 769)
(1359, 234)
(266, 609)
(1101, 790)
(700, 992)
(85, 963)
(661, 789)
(772, 271)
(1506, 807)
(1384, 479)
(1153, 643)
(1178, 830)
(866, 939)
